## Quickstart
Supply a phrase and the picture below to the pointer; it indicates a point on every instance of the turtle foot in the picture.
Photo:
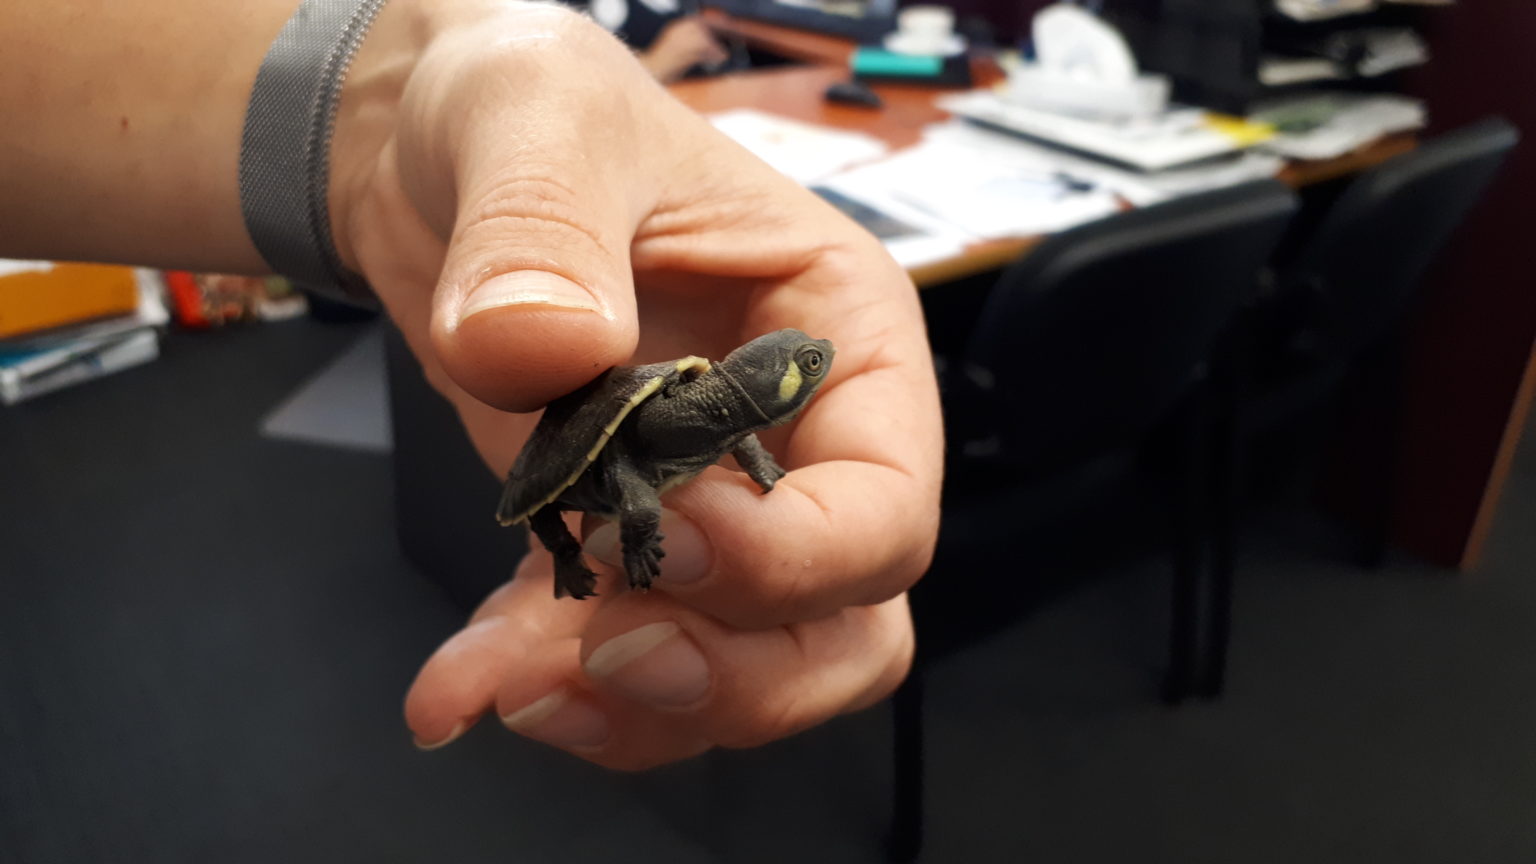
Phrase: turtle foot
(770, 478)
(574, 579)
(643, 565)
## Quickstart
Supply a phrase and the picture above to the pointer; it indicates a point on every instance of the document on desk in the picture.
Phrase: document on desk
(963, 184)
(812, 154)
(804, 151)
(1136, 187)
(1343, 122)
(1180, 137)
(979, 193)
(912, 238)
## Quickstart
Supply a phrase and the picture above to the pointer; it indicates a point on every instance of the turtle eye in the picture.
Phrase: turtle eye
(811, 360)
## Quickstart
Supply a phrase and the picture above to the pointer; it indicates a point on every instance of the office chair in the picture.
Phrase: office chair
(1084, 347)
(1353, 277)
(1334, 310)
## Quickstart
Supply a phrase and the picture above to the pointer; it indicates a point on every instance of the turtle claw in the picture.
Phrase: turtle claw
(574, 579)
(772, 477)
(644, 564)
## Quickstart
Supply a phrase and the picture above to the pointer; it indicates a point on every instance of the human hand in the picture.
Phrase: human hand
(532, 209)
(682, 45)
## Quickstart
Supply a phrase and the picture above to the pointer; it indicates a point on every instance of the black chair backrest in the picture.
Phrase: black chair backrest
(1095, 334)
(1370, 250)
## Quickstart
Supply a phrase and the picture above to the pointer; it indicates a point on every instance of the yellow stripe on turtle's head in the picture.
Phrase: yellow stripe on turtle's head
(789, 385)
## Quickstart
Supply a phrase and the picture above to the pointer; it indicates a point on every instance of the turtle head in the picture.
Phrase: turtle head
(780, 371)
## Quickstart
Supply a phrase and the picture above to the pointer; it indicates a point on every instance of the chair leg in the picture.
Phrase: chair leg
(907, 812)
(1214, 681)
(1178, 680)
(1383, 374)
(1188, 537)
(1226, 465)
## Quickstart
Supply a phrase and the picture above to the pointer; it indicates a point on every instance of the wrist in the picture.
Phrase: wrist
(129, 147)
(367, 112)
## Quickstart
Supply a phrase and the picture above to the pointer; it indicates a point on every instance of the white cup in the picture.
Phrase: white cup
(927, 27)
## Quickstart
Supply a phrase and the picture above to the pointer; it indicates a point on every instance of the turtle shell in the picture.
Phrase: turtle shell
(576, 427)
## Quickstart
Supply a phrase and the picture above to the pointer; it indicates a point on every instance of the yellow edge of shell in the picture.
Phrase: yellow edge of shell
(687, 364)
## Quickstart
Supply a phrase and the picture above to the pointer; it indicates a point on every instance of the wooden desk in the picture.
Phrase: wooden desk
(803, 46)
(795, 92)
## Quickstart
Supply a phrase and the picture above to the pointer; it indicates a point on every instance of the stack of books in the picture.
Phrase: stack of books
(64, 324)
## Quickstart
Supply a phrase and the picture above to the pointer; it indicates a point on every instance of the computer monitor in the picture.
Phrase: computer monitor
(1210, 48)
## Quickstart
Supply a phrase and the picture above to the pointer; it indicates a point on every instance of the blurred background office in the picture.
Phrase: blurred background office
(1234, 315)
(670, 41)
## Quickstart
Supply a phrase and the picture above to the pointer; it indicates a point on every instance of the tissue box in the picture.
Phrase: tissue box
(1142, 98)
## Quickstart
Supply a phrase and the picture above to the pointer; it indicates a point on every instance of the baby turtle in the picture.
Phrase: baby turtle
(614, 446)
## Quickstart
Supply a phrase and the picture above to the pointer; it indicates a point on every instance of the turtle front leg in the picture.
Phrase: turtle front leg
(759, 464)
(572, 576)
(639, 527)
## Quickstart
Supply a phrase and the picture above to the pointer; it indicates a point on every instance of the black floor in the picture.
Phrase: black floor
(205, 637)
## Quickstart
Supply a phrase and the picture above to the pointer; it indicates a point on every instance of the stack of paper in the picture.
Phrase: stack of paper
(963, 184)
(1277, 70)
(803, 151)
(1182, 136)
(982, 189)
(912, 237)
(1318, 10)
(1389, 49)
(1343, 123)
(1135, 187)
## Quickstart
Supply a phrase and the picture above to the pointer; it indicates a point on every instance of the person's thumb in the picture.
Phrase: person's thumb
(536, 295)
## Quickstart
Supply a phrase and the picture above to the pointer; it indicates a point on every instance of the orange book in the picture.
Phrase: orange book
(37, 295)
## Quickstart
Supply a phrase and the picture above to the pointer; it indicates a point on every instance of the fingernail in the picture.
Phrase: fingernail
(524, 287)
(458, 729)
(560, 720)
(689, 556)
(656, 664)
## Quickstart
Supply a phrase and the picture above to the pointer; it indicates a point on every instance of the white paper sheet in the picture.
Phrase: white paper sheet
(1356, 120)
(1179, 137)
(803, 151)
(1319, 10)
(976, 188)
(1138, 188)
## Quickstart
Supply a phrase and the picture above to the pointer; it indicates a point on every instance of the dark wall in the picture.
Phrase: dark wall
(1009, 20)
(1472, 345)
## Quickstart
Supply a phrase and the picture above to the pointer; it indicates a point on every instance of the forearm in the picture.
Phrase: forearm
(122, 133)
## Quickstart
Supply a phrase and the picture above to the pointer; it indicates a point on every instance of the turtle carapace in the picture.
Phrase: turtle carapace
(614, 446)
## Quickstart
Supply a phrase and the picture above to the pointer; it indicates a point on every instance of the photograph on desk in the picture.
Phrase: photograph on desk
(764, 431)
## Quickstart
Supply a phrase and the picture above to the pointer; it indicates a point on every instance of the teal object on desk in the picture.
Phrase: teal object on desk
(878, 61)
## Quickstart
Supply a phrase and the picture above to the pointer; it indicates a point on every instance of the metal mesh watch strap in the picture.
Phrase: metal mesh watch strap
(285, 145)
